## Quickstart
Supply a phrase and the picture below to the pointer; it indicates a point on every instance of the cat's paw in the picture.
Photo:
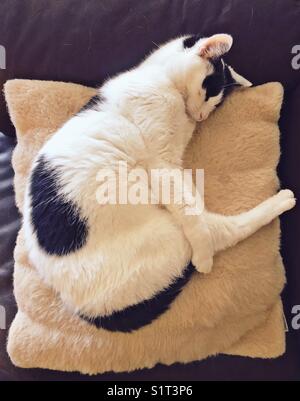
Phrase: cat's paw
(202, 251)
(202, 264)
(284, 200)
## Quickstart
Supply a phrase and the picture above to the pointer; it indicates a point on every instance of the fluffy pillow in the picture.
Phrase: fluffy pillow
(234, 310)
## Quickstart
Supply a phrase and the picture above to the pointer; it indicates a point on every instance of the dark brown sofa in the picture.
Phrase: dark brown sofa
(84, 41)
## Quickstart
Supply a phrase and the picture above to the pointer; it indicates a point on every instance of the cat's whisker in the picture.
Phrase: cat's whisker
(155, 44)
(232, 84)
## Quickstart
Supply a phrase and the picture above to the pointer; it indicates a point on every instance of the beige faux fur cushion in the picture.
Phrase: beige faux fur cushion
(235, 310)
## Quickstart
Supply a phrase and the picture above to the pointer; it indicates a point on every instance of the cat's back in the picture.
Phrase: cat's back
(91, 252)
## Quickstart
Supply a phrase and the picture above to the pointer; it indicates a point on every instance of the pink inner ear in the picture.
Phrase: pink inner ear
(205, 52)
(215, 46)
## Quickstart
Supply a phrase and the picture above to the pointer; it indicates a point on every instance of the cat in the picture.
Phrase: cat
(121, 266)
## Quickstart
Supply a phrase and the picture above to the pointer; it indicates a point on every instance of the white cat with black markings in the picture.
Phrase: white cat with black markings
(105, 261)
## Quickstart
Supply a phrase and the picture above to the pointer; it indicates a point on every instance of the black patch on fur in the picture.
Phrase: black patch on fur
(136, 316)
(214, 83)
(59, 227)
(97, 99)
(191, 41)
(220, 81)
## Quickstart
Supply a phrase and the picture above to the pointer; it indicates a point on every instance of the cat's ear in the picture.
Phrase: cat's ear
(215, 46)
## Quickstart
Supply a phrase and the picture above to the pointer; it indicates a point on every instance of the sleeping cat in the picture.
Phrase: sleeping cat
(120, 266)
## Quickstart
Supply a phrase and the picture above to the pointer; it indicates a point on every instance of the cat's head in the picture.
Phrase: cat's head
(198, 70)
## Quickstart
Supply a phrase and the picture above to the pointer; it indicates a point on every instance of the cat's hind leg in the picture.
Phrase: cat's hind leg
(227, 231)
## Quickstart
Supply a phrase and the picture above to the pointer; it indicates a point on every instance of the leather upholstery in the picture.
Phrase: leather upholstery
(85, 42)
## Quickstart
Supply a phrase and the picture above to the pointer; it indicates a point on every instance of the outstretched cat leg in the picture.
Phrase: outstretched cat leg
(226, 231)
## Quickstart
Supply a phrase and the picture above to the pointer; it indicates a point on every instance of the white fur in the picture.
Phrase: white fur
(132, 252)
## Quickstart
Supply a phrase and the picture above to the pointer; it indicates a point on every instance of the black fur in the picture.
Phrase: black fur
(139, 315)
(220, 81)
(213, 83)
(97, 99)
(59, 227)
(191, 41)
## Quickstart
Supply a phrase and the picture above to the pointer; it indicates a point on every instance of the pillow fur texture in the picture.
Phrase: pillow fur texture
(236, 309)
